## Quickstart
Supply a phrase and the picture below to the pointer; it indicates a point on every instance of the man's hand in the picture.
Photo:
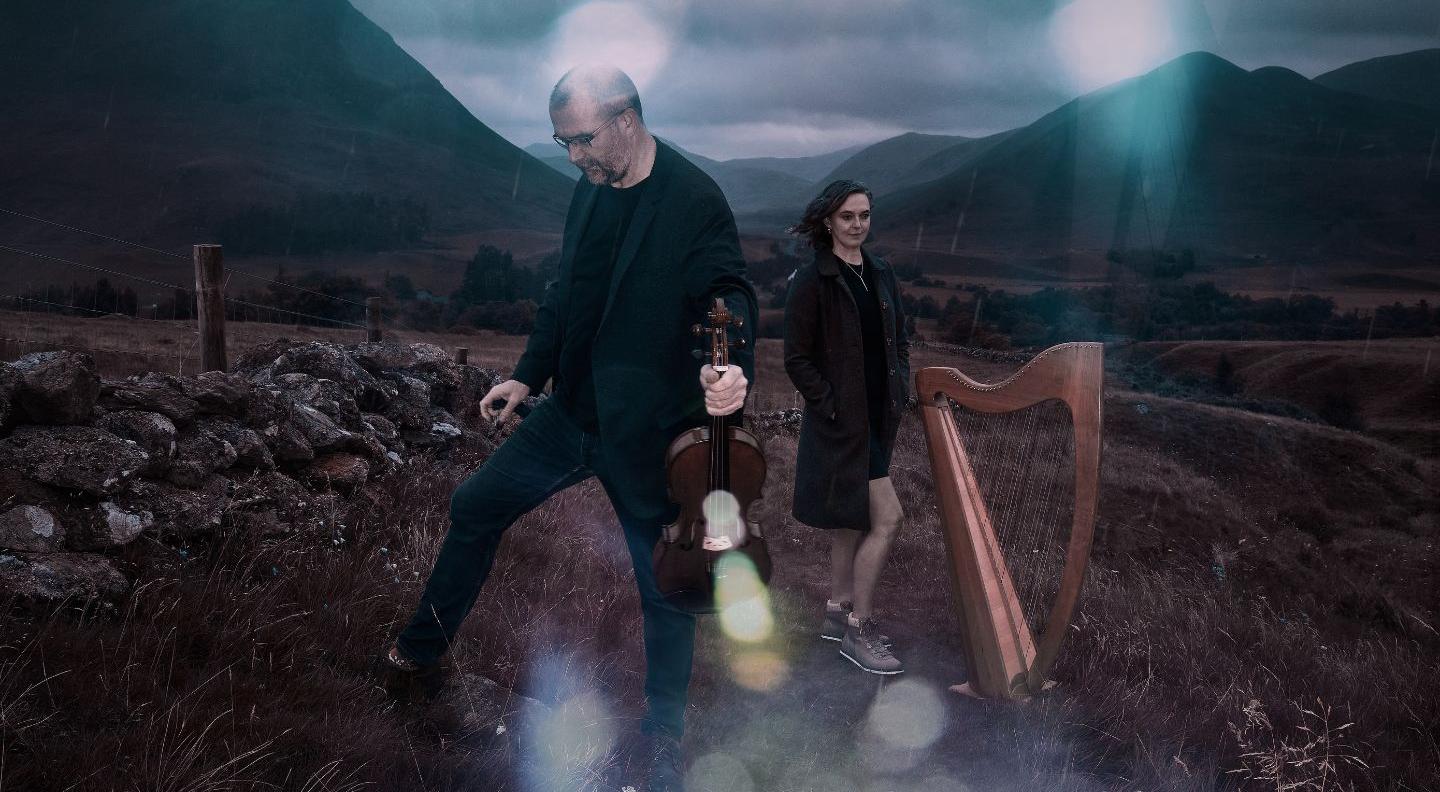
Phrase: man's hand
(512, 392)
(724, 394)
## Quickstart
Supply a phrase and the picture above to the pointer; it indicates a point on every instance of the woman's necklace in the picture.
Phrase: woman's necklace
(858, 269)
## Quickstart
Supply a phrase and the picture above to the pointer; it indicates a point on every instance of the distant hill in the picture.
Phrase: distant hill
(1197, 154)
(813, 168)
(160, 121)
(890, 164)
(748, 184)
(551, 155)
(1413, 77)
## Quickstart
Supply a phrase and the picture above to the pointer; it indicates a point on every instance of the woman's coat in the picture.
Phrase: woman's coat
(825, 358)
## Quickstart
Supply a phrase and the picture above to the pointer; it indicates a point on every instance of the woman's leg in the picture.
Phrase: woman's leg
(843, 543)
(874, 549)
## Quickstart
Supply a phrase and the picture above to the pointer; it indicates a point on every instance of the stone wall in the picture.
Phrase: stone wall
(88, 467)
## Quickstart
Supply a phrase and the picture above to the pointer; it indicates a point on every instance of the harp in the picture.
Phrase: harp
(1016, 584)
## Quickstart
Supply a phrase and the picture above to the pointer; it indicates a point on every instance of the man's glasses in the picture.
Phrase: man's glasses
(584, 141)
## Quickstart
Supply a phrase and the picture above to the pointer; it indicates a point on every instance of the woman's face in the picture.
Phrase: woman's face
(850, 224)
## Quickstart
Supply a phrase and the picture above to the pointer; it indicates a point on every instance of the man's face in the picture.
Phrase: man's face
(606, 157)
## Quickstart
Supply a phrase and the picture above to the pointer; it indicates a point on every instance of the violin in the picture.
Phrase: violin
(715, 475)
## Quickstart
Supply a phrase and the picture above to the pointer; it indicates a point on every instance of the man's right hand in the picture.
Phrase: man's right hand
(512, 392)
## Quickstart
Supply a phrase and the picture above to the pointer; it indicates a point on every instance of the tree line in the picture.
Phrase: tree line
(497, 293)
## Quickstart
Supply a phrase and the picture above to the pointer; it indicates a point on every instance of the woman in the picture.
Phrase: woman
(848, 355)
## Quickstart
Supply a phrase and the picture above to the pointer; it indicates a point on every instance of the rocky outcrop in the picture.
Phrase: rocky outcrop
(88, 467)
(56, 387)
(81, 458)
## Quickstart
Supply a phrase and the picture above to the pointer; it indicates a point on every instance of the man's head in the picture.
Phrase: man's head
(597, 117)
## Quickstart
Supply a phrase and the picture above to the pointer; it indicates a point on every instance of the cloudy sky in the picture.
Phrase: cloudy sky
(744, 78)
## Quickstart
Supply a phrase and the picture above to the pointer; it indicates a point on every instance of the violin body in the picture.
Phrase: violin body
(716, 486)
(686, 556)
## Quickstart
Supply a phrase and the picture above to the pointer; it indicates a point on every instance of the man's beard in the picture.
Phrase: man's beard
(602, 173)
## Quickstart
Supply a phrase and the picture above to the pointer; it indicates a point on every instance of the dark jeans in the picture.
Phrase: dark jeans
(547, 453)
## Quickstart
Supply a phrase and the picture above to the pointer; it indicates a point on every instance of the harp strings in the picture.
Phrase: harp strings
(1023, 462)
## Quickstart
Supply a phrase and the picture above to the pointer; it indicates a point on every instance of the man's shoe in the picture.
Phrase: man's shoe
(406, 680)
(832, 628)
(667, 765)
(866, 647)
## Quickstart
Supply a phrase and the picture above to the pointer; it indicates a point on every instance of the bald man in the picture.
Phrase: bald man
(649, 242)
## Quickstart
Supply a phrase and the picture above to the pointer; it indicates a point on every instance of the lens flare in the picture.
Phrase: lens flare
(940, 782)
(759, 670)
(719, 772)
(1104, 41)
(905, 720)
(722, 516)
(572, 741)
(745, 613)
(625, 35)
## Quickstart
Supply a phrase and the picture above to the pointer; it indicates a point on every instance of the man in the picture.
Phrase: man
(649, 241)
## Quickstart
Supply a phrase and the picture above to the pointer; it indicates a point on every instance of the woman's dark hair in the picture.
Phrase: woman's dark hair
(812, 224)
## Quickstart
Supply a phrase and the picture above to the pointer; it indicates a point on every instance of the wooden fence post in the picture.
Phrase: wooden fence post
(372, 318)
(462, 355)
(210, 306)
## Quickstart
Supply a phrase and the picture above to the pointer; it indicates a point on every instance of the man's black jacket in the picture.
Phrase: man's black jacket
(680, 252)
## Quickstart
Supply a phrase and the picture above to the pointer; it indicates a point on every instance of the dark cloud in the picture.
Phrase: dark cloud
(751, 77)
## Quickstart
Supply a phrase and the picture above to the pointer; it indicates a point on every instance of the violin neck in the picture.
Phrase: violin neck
(719, 453)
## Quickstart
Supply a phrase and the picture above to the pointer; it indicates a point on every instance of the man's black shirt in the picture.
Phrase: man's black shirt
(594, 265)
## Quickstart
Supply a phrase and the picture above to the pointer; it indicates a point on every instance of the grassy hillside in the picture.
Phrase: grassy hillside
(1261, 589)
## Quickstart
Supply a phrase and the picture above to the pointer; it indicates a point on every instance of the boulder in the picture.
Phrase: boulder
(149, 395)
(330, 361)
(287, 444)
(199, 453)
(57, 387)
(325, 395)
(16, 487)
(53, 577)
(30, 528)
(115, 525)
(341, 470)
(298, 386)
(410, 408)
(380, 426)
(81, 458)
(153, 432)
(250, 449)
(268, 407)
(443, 423)
(178, 511)
(377, 357)
(218, 392)
(318, 429)
(464, 399)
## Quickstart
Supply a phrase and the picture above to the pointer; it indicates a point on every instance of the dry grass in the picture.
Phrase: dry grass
(1259, 615)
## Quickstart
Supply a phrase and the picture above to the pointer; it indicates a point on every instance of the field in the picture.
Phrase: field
(1260, 614)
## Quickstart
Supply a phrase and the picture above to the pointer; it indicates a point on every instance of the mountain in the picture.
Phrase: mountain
(896, 162)
(551, 155)
(1199, 154)
(165, 120)
(748, 186)
(812, 168)
(1413, 77)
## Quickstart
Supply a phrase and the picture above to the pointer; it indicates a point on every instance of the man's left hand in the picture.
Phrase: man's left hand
(724, 393)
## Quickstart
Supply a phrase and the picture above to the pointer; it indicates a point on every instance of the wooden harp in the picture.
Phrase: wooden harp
(1014, 608)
